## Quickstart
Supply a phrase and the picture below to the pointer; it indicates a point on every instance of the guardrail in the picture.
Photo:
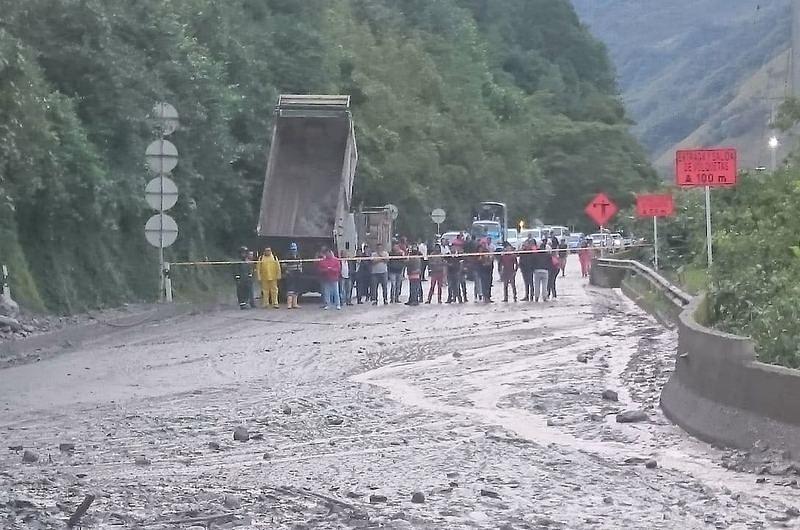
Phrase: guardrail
(676, 295)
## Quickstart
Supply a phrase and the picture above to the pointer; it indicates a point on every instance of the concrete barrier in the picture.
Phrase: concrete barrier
(606, 276)
(720, 393)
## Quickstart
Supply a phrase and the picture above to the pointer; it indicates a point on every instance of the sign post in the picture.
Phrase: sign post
(438, 216)
(707, 168)
(655, 206)
(161, 193)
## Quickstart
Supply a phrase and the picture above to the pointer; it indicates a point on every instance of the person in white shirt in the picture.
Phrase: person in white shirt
(345, 281)
(423, 252)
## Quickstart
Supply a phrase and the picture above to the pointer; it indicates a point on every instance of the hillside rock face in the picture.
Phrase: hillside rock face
(697, 72)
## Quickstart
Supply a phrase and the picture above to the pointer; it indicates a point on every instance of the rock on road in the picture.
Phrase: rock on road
(486, 416)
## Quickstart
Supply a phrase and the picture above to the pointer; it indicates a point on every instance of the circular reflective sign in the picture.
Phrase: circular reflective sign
(166, 118)
(161, 157)
(161, 193)
(161, 230)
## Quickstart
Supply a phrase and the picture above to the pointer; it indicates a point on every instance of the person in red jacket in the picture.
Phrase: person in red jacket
(508, 270)
(329, 270)
(585, 256)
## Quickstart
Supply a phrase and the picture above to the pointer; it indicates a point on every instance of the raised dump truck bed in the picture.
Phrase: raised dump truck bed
(309, 181)
(311, 168)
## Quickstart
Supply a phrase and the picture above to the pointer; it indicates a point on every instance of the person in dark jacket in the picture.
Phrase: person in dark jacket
(438, 269)
(454, 271)
(526, 263)
(364, 276)
(414, 268)
(472, 267)
(508, 270)
(243, 275)
(555, 268)
(486, 270)
(292, 270)
(541, 272)
(396, 266)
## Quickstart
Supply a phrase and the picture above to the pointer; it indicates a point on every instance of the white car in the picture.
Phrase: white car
(600, 240)
(512, 236)
(536, 233)
(561, 232)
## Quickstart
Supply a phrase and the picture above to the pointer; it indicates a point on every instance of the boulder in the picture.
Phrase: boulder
(418, 497)
(241, 434)
(632, 416)
(610, 395)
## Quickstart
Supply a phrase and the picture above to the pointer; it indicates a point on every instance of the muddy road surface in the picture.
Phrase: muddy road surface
(440, 416)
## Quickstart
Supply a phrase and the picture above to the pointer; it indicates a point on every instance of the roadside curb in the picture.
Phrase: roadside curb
(72, 336)
(721, 393)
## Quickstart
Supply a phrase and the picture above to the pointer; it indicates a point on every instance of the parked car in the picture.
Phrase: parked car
(561, 232)
(536, 233)
(574, 240)
(600, 240)
(616, 240)
(449, 237)
(512, 236)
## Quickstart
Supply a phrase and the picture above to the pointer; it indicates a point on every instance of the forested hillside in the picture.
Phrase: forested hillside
(708, 70)
(454, 101)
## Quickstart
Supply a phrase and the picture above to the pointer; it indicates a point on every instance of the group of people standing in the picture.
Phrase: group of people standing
(378, 275)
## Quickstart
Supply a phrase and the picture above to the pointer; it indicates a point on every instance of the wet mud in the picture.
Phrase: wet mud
(495, 414)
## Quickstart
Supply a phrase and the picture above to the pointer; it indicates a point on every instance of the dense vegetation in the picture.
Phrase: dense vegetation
(455, 101)
(754, 285)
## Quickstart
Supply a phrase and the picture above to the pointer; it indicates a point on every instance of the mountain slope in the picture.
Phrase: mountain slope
(455, 101)
(682, 62)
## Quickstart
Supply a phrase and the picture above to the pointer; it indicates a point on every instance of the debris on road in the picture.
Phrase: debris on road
(241, 434)
(29, 457)
(610, 395)
(632, 416)
(80, 511)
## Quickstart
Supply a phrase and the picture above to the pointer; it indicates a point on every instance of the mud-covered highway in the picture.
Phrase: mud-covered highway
(487, 416)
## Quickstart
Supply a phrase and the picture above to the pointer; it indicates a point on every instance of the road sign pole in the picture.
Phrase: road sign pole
(655, 239)
(161, 225)
(167, 283)
(708, 228)
(4, 289)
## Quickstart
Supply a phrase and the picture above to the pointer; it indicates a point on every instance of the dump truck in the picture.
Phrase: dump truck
(309, 181)
(374, 226)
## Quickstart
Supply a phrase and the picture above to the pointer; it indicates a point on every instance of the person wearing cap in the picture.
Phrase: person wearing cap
(292, 270)
(243, 276)
(268, 272)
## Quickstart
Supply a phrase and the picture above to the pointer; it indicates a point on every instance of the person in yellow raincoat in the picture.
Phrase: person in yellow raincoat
(268, 272)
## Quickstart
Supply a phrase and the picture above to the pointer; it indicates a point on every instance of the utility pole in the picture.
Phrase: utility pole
(795, 89)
